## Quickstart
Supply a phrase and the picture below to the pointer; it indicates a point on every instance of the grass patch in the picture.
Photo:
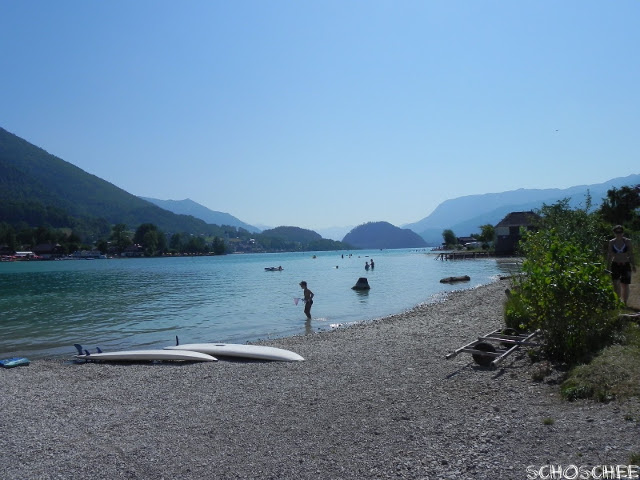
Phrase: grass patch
(613, 373)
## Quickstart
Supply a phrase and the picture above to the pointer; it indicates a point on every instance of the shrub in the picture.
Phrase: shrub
(516, 315)
(567, 295)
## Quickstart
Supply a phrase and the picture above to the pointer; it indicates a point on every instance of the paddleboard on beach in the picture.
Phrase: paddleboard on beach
(143, 355)
(257, 352)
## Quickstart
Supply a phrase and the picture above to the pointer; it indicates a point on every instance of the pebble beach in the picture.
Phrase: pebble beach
(373, 400)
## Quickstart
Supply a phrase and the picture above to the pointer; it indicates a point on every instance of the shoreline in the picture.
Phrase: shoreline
(375, 399)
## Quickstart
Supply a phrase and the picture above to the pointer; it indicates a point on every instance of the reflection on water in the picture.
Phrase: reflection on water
(45, 307)
(362, 295)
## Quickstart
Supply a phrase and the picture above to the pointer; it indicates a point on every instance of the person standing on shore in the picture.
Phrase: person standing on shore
(620, 257)
(308, 299)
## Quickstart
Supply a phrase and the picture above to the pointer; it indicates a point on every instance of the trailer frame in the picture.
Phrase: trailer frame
(491, 349)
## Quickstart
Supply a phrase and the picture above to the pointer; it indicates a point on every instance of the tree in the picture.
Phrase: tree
(103, 246)
(564, 290)
(449, 237)
(218, 246)
(176, 242)
(195, 245)
(486, 235)
(120, 236)
(153, 241)
(621, 207)
(8, 236)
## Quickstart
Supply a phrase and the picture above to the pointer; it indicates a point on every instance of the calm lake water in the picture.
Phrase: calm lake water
(46, 307)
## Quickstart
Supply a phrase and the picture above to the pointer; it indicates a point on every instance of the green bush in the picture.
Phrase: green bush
(516, 315)
(566, 293)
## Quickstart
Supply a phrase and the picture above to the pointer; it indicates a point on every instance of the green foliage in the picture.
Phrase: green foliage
(564, 289)
(621, 207)
(581, 227)
(41, 189)
(567, 295)
(218, 247)
(487, 233)
(120, 237)
(153, 241)
(449, 237)
(613, 373)
(293, 234)
(516, 315)
(196, 244)
(28, 238)
(295, 239)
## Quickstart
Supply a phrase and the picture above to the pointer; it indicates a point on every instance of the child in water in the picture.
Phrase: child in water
(308, 299)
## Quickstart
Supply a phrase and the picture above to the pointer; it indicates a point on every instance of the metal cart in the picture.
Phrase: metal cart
(494, 347)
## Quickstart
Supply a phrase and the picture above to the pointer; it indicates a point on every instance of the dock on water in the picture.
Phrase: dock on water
(463, 255)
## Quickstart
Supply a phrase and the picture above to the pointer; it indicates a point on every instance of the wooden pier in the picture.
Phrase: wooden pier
(463, 255)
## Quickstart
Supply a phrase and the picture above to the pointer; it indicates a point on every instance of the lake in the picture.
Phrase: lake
(47, 306)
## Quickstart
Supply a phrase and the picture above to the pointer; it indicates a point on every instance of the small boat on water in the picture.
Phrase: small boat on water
(273, 269)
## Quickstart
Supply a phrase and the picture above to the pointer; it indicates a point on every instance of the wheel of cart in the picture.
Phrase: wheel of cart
(482, 357)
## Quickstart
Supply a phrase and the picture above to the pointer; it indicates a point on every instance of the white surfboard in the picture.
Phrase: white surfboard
(147, 355)
(258, 352)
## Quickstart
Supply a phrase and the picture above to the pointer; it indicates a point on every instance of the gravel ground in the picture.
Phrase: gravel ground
(375, 400)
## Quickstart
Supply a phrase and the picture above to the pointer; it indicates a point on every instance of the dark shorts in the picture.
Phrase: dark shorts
(622, 272)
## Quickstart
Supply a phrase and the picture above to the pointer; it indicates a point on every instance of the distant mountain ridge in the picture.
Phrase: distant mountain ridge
(383, 235)
(40, 188)
(465, 215)
(189, 207)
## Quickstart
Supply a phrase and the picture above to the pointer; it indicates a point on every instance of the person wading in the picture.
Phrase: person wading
(308, 299)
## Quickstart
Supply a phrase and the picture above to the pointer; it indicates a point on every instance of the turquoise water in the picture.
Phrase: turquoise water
(46, 307)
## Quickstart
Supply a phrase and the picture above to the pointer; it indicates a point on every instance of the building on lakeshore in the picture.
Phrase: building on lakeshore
(508, 231)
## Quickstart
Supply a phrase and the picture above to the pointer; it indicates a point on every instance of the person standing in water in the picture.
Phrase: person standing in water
(308, 299)
(620, 256)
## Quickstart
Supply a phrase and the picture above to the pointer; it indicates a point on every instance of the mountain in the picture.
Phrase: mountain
(297, 239)
(39, 188)
(383, 235)
(293, 234)
(465, 215)
(189, 207)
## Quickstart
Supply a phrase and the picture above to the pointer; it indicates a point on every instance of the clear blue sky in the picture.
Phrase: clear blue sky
(326, 113)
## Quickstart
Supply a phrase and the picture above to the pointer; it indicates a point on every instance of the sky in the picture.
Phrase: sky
(326, 113)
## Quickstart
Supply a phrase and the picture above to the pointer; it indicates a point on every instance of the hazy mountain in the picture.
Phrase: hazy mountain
(292, 238)
(383, 235)
(41, 189)
(464, 215)
(294, 234)
(189, 207)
